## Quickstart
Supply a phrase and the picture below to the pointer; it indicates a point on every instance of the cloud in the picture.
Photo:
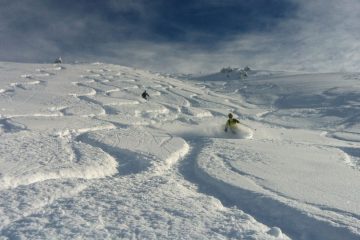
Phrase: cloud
(185, 36)
(323, 36)
(320, 36)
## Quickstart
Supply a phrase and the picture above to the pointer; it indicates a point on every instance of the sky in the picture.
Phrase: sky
(185, 36)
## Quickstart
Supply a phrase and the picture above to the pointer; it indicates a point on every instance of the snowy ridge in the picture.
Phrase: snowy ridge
(84, 156)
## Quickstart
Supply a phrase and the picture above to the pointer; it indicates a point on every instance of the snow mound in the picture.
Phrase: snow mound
(29, 157)
(138, 149)
(146, 110)
(84, 109)
(58, 125)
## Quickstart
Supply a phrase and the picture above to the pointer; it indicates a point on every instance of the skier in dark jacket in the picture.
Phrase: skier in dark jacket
(145, 95)
(231, 123)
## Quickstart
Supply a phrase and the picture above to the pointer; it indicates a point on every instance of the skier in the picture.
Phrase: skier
(145, 95)
(231, 123)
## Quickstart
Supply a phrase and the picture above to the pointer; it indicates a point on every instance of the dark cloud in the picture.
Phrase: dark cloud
(221, 19)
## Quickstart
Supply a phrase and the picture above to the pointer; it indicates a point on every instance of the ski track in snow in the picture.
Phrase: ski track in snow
(83, 156)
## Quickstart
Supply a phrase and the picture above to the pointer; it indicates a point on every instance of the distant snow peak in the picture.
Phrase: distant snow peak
(58, 60)
(235, 72)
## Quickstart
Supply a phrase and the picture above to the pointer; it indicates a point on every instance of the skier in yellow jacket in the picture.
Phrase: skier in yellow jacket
(231, 123)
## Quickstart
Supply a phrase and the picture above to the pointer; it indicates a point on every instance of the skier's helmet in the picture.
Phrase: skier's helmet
(230, 115)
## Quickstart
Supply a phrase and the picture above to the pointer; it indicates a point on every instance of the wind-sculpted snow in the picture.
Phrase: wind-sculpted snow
(28, 158)
(346, 136)
(57, 126)
(313, 101)
(84, 156)
(139, 149)
(270, 172)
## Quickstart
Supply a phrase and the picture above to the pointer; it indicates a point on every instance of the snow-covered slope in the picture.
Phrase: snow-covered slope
(82, 155)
